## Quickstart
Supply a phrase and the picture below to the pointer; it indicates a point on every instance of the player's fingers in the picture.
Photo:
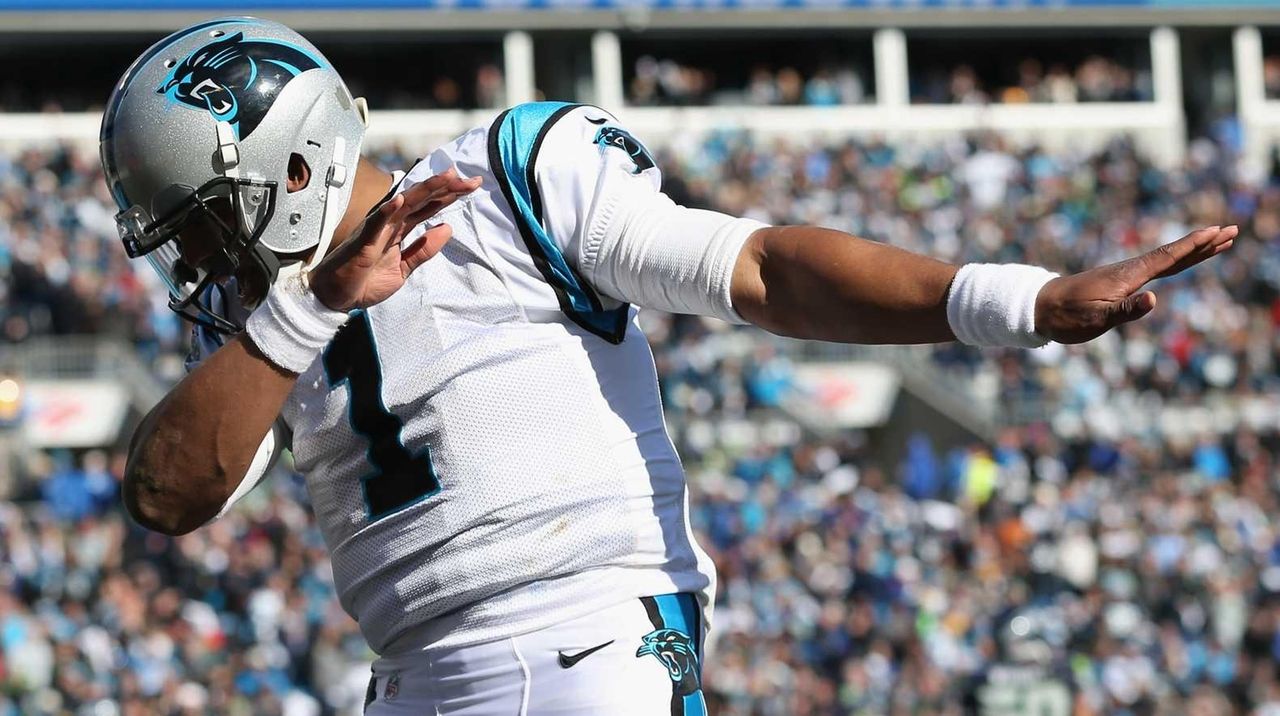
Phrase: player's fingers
(429, 210)
(1163, 258)
(376, 228)
(446, 182)
(444, 188)
(449, 181)
(1145, 267)
(428, 245)
(1175, 256)
(1131, 308)
(1216, 245)
(423, 191)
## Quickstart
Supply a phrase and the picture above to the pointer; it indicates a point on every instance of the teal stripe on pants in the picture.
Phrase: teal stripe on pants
(681, 612)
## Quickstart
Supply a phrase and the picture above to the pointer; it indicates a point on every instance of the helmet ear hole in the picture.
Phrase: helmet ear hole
(299, 173)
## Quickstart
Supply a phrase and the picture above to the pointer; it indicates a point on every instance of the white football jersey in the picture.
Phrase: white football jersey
(485, 450)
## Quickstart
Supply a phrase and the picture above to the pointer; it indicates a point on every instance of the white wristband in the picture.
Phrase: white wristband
(292, 326)
(995, 304)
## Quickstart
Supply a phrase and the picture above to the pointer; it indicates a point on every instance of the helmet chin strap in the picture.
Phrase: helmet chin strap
(334, 181)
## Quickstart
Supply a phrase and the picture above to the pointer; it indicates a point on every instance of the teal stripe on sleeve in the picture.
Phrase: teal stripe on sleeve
(514, 141)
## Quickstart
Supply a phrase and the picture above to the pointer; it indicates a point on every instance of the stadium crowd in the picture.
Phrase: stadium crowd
(1121, 542)
(1094, 79)
(665, 82)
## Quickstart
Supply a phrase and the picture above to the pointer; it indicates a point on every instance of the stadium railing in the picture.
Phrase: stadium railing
(78, 357)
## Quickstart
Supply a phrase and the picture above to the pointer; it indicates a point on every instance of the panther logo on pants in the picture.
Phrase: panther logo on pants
(675, 650)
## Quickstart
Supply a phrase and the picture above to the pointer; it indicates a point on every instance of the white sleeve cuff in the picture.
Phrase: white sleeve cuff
(292, 326)
(662, 255)
(995, 304)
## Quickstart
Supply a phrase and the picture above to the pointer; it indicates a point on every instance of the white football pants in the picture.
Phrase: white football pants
(640, 658)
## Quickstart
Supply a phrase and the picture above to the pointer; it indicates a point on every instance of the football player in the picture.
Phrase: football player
(451, 353)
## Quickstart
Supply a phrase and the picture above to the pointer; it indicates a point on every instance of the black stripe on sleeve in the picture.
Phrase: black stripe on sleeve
(496, 166)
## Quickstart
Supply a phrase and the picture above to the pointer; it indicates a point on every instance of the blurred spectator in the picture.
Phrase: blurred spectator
(491, 90)
(444, 93)
(965, 88)
(61, 266)
(1271, 76)
(668, 82)
(99, 614)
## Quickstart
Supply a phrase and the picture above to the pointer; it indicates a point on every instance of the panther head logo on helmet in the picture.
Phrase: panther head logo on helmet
(201, 131)
(675, 650)
(236, 80)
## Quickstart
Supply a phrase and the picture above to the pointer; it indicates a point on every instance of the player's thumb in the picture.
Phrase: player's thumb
(425, 247)
(1131, 308)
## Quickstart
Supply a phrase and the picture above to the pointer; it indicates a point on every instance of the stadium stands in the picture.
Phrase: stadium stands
(1111, 549)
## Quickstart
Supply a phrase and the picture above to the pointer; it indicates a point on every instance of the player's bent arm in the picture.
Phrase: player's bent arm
(195, 448)
(809, 282)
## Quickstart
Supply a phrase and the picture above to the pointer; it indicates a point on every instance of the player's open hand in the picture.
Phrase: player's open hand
(371, 266)
(1075, 309)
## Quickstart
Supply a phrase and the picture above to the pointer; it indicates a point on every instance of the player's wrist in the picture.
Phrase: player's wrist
(292, 326)
(995, 304)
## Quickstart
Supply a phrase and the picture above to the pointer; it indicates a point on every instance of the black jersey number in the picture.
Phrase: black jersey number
(398, 478)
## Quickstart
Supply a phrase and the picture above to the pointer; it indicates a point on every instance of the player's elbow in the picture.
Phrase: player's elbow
(153, 502)
(774, 290)
(749, 290)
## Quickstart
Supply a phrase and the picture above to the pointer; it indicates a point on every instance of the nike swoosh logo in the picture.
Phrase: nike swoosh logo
(593, 120)
(567, 661)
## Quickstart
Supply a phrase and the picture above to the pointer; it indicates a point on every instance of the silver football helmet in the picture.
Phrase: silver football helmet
(197, 138)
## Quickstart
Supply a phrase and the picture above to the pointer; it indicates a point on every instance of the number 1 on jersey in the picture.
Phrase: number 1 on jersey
(398, 478)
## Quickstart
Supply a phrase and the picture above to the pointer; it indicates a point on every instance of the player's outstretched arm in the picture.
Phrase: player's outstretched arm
(196, 446)
(814, 283)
